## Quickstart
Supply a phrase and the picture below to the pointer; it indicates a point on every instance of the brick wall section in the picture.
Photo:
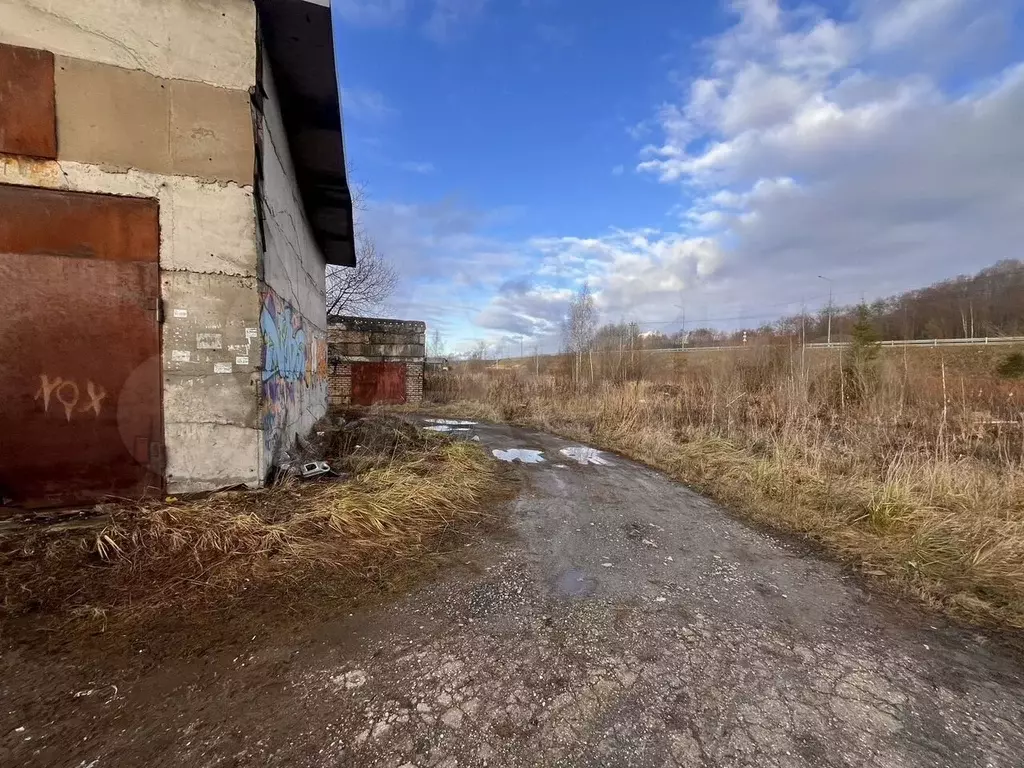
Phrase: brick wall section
(373, 340)
(339, 383)
(414, 382)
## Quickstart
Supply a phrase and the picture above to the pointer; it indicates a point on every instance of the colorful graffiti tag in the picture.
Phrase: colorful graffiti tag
(288, 351)
(294, 372)
(284, 340)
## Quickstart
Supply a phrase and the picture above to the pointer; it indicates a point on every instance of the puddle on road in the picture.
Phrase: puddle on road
(525, 455)
(445, 428)
(575, 583)
(451, 422)
(585, 455)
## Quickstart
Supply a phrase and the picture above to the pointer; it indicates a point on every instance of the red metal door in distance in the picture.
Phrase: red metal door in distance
(80, 381)
(378, 383)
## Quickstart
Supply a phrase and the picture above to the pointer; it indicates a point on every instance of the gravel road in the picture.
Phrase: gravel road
(626, 622)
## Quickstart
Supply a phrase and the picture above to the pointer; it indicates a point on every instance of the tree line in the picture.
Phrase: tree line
(988, 303)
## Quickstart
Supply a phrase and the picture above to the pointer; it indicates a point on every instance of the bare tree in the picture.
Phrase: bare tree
(435, 347)
(580, 327)
(357, 290)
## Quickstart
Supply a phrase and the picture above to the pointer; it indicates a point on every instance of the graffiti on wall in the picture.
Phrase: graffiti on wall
(68, 394)
(294, 372)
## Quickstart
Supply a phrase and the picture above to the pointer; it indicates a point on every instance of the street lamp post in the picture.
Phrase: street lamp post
(829, 281)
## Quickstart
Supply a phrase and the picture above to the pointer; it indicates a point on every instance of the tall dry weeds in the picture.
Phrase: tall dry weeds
(913, 473)
(158, 557)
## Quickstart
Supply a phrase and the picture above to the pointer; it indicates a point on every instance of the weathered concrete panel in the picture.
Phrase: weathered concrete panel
(204, 456)
(211, 132)
(130, 119)
(112, 116)
(210, 321)
(294, 317)
(228, 398)
(27, 114)
(211, 346)
(208, 227)
(204, 226)
(209, 41)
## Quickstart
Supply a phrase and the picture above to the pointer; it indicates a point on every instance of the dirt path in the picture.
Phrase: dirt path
(628, 623)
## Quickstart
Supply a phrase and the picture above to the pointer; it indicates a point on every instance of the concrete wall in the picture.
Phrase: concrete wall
(206, 41)
(293, 319)
(152, 100)
(374, 340)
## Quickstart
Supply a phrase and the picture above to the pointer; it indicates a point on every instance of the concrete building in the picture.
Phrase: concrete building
(172, 186)
(375, 360)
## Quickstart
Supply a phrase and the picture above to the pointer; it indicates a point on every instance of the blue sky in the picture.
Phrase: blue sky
(706, 158)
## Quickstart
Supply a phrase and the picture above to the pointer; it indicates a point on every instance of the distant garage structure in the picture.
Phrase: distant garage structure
(374, 360)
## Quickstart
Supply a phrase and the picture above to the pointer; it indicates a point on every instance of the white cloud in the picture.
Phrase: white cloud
(636, 273)
(803, 150)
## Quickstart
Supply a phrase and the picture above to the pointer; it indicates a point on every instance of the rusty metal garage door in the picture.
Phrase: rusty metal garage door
(80, 381)
(378, 383)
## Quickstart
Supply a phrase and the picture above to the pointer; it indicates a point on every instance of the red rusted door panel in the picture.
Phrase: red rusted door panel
(378, 383)
(28, 113)
(80, 383)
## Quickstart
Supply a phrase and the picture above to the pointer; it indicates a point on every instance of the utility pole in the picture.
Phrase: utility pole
(803, 338)
(682, 327)
(829, 281)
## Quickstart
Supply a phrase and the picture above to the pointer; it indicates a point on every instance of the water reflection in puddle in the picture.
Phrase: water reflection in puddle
(525, 455)
(585, 455)
(575, 583)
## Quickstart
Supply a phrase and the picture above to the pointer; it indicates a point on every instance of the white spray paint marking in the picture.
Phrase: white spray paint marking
(525, 455)
(222, 367)
(585, 455)
(452, 422)
(181, 356)
(181, 313)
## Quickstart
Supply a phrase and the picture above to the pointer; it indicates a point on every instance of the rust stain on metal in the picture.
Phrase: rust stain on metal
(80, 383)
(28, 114)
(74, 224)
(378, 383)
(31, 171)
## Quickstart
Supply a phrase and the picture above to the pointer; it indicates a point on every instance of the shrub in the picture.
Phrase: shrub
(1012, 366)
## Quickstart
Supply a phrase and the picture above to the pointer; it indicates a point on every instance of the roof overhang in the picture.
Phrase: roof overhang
(299, 43)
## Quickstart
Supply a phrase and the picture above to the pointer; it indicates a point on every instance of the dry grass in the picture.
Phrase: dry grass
(402, 506)
(916, 477)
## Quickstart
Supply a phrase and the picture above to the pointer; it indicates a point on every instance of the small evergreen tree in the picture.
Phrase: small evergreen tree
(865, 347)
